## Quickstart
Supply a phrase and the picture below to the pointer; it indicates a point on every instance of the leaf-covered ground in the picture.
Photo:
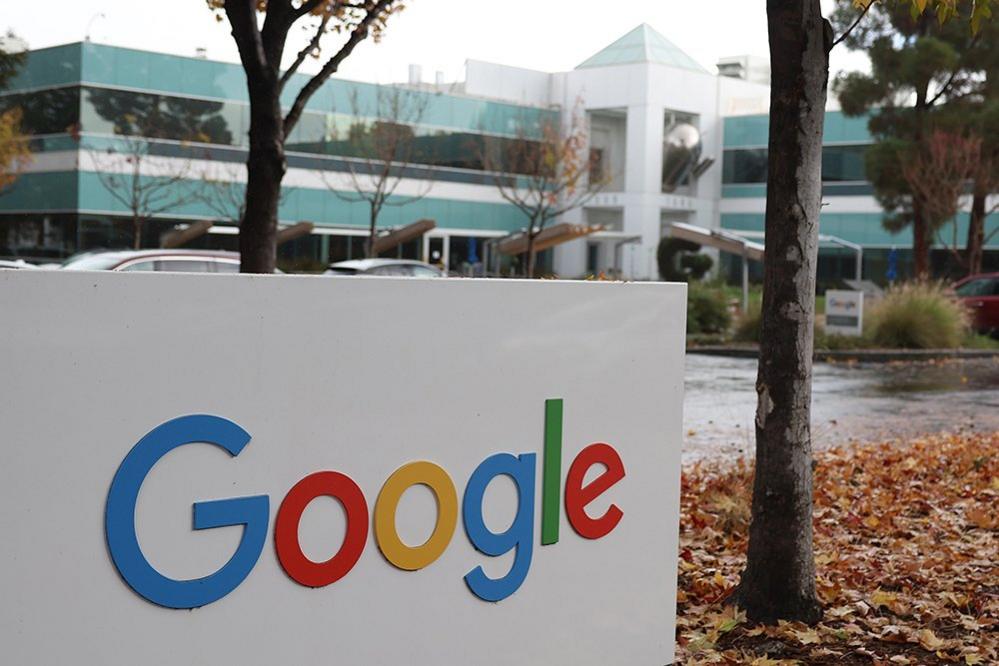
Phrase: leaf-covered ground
(907, 552)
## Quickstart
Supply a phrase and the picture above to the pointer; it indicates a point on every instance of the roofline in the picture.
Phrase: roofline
(234, 63)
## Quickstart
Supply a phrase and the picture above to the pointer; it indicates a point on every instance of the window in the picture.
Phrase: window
(149, 265)
(592, 257)
(54, 111)
(839, 164)
(182, 266)
(744, 166)
(597, 166)
(425, 272)
(395, 270)
(221, 266)
(109, 111)
(980, 287)
(843, 163)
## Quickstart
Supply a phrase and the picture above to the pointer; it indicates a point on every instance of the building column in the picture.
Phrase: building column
(643, 182)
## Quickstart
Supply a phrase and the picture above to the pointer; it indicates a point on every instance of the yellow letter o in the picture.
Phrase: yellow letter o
(395, 551)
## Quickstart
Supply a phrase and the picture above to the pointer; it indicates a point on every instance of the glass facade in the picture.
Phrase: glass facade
(86, 98)
(746, 166)
(109, 112)
(52, 111)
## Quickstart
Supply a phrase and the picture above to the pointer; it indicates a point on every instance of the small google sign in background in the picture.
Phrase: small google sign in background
(379, 471)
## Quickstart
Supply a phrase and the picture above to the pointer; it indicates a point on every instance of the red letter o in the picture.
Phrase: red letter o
(300, 568)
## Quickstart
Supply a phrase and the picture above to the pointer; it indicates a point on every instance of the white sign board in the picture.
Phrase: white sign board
(845, 312)
(381, 471)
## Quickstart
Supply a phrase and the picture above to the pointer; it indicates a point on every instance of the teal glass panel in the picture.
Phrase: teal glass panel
(53, 191)
(746, 131)
(194, 77)
(319, 206)
(753, 131)
(55, 66)
(840, 163)
(840, 128)
(743, 191)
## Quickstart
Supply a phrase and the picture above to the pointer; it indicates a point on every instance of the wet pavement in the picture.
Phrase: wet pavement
(850, 402)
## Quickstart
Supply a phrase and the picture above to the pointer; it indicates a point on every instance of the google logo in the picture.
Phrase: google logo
(253, 513)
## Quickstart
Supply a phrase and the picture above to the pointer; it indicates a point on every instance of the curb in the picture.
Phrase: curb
(858, 355)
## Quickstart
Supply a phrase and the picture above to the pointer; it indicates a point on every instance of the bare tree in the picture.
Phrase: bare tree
(223, 191)
(146, 185)
(260, 30)
(545, 177)
(939, 176)
(380, 148)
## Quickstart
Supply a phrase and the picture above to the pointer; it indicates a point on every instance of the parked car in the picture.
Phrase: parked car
(175, 261)
(385, 267)
(17, 264)
(981, 294)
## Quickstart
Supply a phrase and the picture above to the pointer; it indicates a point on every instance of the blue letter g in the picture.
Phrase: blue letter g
(119, 519)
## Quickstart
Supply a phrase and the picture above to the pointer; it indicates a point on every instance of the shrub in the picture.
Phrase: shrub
(707, 310)
(747, 329)
(917, 315)
(678, 260)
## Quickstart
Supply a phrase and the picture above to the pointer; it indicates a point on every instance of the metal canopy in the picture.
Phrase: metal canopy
(184, 234)
(299, 230)
(827, 238)
(550, 237)
(726, 242)
(722, 240)
(401, 235)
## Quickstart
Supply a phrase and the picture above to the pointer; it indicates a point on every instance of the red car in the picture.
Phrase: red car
(981, 294)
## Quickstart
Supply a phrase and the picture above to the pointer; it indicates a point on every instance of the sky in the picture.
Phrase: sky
(439, 35)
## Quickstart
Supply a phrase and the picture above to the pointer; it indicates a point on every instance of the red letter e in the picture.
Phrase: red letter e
(577, 496)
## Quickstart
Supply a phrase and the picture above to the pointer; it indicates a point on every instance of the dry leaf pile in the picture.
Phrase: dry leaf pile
(907, 552)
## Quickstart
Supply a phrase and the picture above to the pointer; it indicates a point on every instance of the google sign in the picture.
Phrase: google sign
(259, 470)
(253, 512)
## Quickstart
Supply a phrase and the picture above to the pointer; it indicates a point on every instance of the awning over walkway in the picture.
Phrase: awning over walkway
(550, 237)
(722, 240)
(299, 230)
(183, 234)
(401, 235)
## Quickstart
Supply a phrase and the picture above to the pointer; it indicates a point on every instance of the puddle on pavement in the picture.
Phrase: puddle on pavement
(861, 402)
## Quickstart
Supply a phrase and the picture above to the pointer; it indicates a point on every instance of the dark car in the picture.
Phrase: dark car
(981, 294)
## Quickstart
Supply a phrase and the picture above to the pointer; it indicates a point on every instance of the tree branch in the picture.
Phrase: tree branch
(358, 35)
(854, 25)
(304, 53)
(307, 7)
(950, 79)
(243, 19)
(277, 22)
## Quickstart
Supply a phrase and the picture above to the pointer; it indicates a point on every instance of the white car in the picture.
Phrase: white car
(174, 261)
(385, 267)
(15, 265)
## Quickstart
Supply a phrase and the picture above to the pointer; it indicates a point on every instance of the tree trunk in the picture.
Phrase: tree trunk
(779, 579)
(976, 232)
(920, 224)
(265, 168)
(136, 233)
(920, 242)
(532, 256)
(369, 245)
